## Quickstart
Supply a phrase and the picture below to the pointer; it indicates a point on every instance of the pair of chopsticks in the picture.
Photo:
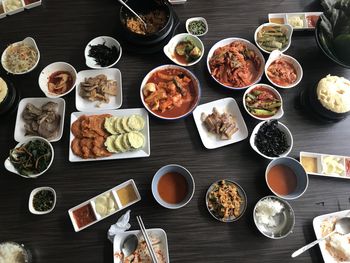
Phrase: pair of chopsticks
(148, 241)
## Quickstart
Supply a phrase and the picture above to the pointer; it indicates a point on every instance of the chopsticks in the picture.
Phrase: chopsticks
(148, 241)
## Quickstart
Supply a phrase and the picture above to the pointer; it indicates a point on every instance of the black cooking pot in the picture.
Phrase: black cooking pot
(318, 108)
(144, 7)
(9, 101)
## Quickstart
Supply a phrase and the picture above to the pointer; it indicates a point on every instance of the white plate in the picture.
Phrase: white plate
(144, 152)
(229, 105)
(38, 102)
(115, 102)
(152, 232)
(317, 223)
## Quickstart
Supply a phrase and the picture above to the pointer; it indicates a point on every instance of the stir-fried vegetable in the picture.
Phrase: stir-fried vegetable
(31, 158)
(188, 50)
(104, 55)
(273, 37)
(261, 102)
(197, 27)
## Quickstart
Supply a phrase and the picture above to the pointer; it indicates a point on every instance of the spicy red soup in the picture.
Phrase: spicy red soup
(170, 93)
(172, 188)
(282, 179)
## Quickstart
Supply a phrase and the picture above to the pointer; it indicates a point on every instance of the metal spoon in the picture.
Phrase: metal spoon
(342, 226)
(129, 245)
(132, 11)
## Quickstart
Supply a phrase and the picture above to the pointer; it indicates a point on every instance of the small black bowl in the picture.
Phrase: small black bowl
(326, 45)
(144, 7)
(319, 109)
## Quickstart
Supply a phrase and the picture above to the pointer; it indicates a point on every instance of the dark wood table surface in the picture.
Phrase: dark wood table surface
(62, 29)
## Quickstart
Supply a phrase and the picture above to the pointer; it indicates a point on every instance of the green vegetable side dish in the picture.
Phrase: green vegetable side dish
(186, 51)
(197, 27)
(43, 200)
(104, 55)
(31, 158)
(271, 38)
(262, 103)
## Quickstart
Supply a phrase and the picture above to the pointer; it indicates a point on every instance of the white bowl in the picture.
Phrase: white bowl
(188, 21)
(278, 114)
(189, 73)
(283, 128)
(28, 41)
(277, 55)
(289, 35)
(227, 41)
(31, 197)
(9, 166)
(52, 68)
(169, 49)
(110, 41)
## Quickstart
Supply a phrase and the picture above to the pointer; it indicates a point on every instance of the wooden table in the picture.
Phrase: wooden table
(62, 29)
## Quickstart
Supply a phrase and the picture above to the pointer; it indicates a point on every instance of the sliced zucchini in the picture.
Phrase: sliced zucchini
(118, 144)
(125, 143)
(136, 139)
(136, 122)
(125, 124)
(109, 143)
(109, 125)
(118, 126)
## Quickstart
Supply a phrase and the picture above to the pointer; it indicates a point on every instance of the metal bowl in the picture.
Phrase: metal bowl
(286, 221)
(27, 255)
(242, 194)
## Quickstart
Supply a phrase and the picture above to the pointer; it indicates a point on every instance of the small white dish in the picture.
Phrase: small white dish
(251, 46)
(38, 102)
(276, 54)
(169, 49)
(280, 111)
(52, 68)
(28, 41)
(31, 198)
(9, 166)
(289, 34)
(229, 105)
(109, 41)
(153, 233)
(20, 9)
(283, 128)
(317, 223)
(188, 21)
(115, 102)
(145, 151)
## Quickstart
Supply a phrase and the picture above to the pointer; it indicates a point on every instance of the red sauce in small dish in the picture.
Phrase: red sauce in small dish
(312, 20)
(84, 215)
(347, 165)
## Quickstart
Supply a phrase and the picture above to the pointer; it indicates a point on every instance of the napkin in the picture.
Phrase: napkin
(121, 226)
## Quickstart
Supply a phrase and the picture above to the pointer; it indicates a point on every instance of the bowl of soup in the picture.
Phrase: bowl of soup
(286, 178)
(170, 92)
(173, 186)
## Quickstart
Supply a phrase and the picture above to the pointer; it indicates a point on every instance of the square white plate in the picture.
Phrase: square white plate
(115, 102)
(144, 152)
(229, 105)
(317, 228)
(152, 232)
(38, 102)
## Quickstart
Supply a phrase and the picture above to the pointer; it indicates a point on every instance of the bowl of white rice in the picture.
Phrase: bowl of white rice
(274, 217)
(12, 252)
